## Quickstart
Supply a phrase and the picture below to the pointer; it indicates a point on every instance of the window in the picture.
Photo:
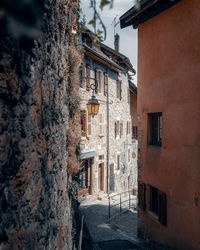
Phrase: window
(119, 89)
(158, 204)
(99, 80)
(83, 175)
(121, 129)
(100, 76)
(117, 128)
(128, 127)
(129, 155)
(83, 123)
(154, 200)
(89, 125)
(82, 75)
(101, 124)
(128, 95)
(88, 77)
(105, 84)
(155, 129)
(101, 157)
(141, 195)
(135, 133)
(118, 162)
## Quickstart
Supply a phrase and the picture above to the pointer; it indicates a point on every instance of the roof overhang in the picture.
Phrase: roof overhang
(146, 10)
(125, 59)
(97, 57)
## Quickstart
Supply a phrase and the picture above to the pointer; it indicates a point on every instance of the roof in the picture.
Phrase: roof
(123, 57)
(97, 53)
(132, 86)
(107, 56)
(146, 10)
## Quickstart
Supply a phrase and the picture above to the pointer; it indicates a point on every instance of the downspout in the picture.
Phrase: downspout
(108, 142)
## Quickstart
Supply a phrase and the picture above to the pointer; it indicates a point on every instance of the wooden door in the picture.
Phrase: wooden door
(101, 176)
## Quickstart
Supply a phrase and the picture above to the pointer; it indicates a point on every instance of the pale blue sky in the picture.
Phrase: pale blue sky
(128, 36)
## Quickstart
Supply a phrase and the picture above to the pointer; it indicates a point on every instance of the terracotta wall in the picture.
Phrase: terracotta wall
(168, 82)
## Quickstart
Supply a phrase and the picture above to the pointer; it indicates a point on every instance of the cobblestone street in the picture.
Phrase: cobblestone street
(119, 232)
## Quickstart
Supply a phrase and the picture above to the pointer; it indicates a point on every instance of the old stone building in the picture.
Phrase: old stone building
(108, 152)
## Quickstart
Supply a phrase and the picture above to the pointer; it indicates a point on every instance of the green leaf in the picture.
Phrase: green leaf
(92, 22)
(103, 3)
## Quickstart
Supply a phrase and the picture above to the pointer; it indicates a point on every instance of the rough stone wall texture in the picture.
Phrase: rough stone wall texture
(34, 203)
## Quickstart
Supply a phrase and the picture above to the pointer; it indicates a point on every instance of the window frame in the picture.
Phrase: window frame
(154, 129)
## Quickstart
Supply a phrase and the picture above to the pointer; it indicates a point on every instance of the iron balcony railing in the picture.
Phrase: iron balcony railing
(127, 199)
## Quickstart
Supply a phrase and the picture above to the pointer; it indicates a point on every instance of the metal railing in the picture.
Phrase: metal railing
(120, 202)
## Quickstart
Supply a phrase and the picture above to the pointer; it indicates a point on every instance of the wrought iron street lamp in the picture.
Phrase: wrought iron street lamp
(93, 106)
(93, 103)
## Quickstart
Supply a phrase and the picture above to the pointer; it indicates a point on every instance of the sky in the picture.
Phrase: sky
(128, 36)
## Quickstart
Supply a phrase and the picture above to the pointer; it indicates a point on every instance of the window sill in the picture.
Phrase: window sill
(154, 145)
(101, 135)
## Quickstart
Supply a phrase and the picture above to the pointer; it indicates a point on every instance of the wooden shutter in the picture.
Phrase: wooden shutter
(96, 81)
(141, 195)
(84, 123)
(162, 207)
(89, 125)
(105, 84)
(121, 129)
(118, 162)
(120, 89)
(101, 124)
(88, 78)
(115, 129)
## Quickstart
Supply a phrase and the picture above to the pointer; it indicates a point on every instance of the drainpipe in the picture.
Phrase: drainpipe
(108, 150)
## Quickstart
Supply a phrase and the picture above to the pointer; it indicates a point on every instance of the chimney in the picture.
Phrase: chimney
(116, 43)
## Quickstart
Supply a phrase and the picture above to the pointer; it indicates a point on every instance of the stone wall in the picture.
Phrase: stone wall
(119, 110)
(34, 99)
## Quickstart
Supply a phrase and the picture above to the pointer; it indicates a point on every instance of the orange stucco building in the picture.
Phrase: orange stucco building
(169, 120)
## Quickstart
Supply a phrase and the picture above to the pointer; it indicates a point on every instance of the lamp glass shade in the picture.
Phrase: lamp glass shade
(93, 106)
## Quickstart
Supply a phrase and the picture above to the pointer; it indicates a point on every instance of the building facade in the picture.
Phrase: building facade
(107, 151)
(169, 120)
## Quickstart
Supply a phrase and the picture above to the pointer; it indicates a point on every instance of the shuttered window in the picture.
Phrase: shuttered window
(89, 124)
(105, 84)
(100, 81)
(129, 155)
(155, 129)
(162, 207)
(141, 195)
(82, 76)
(83, 123)
(135, 132)
(117, 129)
(121, 129)
(101, 124)
(96, 81)
(88, 77)
(158, 204)
(118, 162)
(119, 89)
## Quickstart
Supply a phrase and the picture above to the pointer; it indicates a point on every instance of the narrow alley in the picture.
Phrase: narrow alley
(117, 233)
